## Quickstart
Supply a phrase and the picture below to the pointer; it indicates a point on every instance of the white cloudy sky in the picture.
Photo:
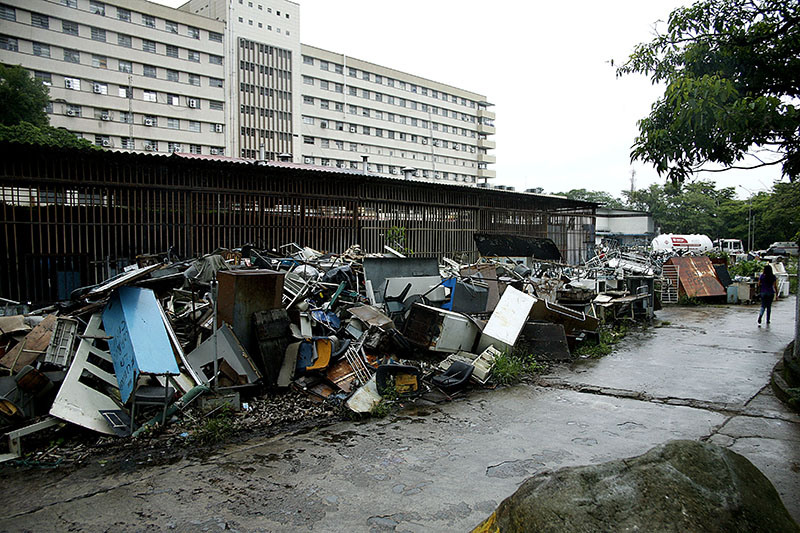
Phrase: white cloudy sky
(564, 121)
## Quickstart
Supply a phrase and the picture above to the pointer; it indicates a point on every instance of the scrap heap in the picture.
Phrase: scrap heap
(343, 328)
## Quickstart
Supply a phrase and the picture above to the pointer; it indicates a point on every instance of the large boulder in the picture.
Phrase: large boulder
(680, 486)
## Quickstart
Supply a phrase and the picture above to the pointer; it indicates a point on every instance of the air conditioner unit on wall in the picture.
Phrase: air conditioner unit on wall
(105, 116)
(97, 89)
(192, 103)
(148, 122)
(70, 113)
(218, 128)
(107, 144)
(148, 147)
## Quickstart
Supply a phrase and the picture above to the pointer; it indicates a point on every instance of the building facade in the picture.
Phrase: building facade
(129, 74)
(230, 77)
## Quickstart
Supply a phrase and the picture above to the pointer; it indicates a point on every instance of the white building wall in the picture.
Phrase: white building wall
(89, 96)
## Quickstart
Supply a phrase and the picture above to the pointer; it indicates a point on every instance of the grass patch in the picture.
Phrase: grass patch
(609, 336)
(512, 367)
(689, 301)
(217, 428)
(387, 404)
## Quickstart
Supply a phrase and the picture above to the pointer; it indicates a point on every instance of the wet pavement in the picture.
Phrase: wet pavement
(703, 376)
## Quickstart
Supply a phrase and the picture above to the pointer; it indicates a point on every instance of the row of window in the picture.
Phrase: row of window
(261, 8)
(389, 82)
(101, 35)
(391, 117)
(265, 113)
(386, 169)
(261, 26)
(389, 134)
(126, 117)
(152, 145)
(389, 99)
(331, 144)
(99, 8)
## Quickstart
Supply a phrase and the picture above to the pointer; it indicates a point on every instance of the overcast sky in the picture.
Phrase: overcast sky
(564, 121)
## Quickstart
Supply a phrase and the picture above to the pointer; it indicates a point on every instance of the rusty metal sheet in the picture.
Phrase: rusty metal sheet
(32, 346)
(697, 277)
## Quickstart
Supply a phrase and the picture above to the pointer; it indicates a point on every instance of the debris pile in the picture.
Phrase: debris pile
(251, 328)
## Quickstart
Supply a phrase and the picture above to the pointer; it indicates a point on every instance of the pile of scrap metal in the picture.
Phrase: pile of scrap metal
(344, 328)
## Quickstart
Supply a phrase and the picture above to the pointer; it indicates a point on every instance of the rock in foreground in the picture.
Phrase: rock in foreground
(681, 486)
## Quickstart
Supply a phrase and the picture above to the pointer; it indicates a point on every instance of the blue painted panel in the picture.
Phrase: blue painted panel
(139, 342)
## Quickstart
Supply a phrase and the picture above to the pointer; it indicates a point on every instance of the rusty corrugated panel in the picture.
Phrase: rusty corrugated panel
(698, 279)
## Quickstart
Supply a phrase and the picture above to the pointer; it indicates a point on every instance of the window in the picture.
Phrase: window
(193, 32)
(40, 21)
(214, 82)
(194, 79)
(151, 146)
(98, 34)
(324, 143)
(172, 51)
(102, 114)
(150, 120)
(194, 149)
(365, 112)
(323, 65)
(44, 77)
(126, 143)
(173, 75)
(323, 104)
(171, 26)
(99, 61)
(125, 92)
(308, 99)
(214, 60)
(149, 46)
(149, 71)
(338, 68)
(214, 36)
(8, 13)
(193, 56)
(365, 94)
(125, 117)
(173, 123)
(352, 72)
(308, 81)
(124, 40)
(149, 96)
(323, 85)
(125, 66)
(149, 20)
(308, 140)
(100, 88)
(352, 109)
(72, 56)
(97, 8)
(41, 49)
(339, 106)
(194, 126)
(308, 60)
(173, 99)
(69, 27)
(72, 83)
(123, 14)
(365, 76)
(308, 120)
(73, 110)
(216, 105)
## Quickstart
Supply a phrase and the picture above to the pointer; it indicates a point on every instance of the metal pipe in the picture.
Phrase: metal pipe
(214, 296)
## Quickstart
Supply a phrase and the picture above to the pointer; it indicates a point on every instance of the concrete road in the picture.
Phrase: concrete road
(445, 468)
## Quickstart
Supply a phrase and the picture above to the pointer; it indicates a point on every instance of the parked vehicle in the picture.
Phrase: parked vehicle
(685, 243)
(729, 246)
(783, 248)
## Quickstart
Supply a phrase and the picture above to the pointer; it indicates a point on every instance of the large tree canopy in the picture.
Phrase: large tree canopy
(732, 75)
(22, 98)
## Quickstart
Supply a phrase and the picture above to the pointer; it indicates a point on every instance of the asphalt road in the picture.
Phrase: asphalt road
(703, 376)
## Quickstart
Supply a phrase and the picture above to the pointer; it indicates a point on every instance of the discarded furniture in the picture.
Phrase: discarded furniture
(378, 269)
(228, 350)
(90, 384)
(62, 342)
(439, 330)
(31, 347)
(242, 293)
(545, 340)
(405, 380)
(138, 340)
(466, 295)
(572, 320)
(455, 377)
(272, 333)
(15, 437)
(507, 320)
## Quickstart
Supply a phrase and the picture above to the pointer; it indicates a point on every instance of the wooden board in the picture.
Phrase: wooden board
(32, 346)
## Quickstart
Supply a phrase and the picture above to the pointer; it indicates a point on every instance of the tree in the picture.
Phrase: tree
(600, 197)
(22, 98)
(25, 132)
(732, 75)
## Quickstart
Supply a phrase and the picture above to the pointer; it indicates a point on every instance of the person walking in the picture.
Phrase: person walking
(768, 290)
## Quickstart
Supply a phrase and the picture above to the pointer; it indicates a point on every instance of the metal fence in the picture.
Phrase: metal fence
(73, 218)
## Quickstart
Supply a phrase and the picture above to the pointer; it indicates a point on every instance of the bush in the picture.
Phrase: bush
(609, 336)
(512, 367)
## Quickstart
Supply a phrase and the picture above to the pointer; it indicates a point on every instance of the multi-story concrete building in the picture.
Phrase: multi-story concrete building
(125, 74)
(354, 111)
(231, 77)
